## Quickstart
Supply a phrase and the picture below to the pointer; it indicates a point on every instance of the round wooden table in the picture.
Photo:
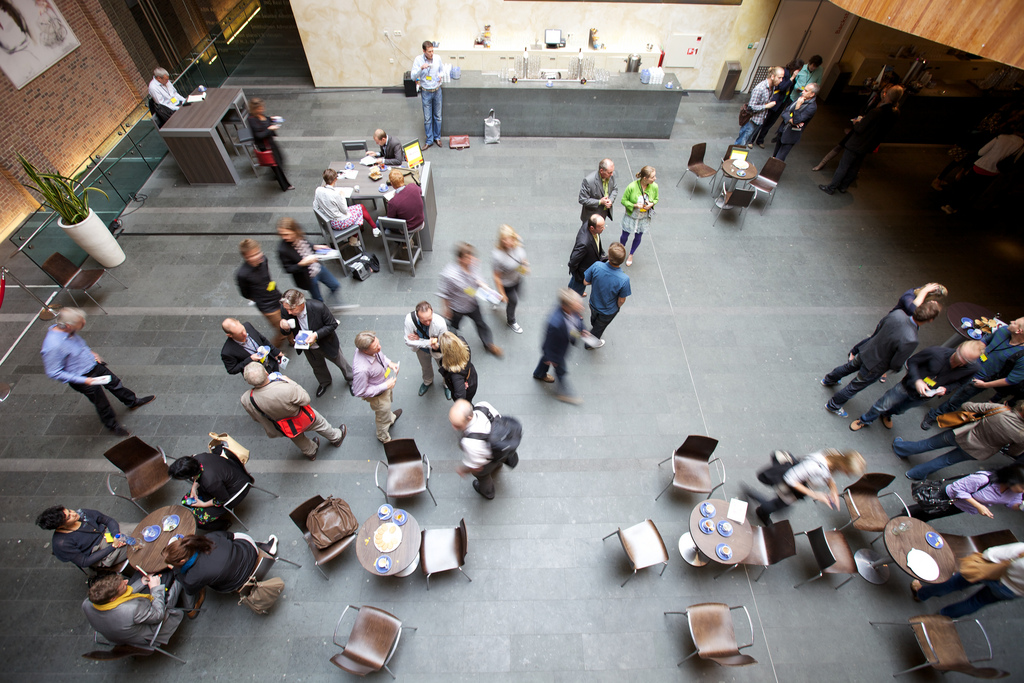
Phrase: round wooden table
(402, 557)
(962, 309)
(899, 545)
(730, 171)
(146, 556)
(741, 540)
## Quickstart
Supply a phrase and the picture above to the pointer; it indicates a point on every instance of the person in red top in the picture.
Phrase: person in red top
(407, 203)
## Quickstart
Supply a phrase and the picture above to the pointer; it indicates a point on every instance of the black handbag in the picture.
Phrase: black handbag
(931, 495)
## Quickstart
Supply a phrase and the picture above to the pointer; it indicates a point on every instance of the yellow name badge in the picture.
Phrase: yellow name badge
(430, 78)
(108, 537)
(983, 358)
(469, 291)
(387, 373)
(272, 286)
(929, 381)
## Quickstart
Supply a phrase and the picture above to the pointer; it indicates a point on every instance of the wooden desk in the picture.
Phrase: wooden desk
(899, 546)
(193, 138)
(368, 191)
(407, 552)
(741, 540)
(146, 556)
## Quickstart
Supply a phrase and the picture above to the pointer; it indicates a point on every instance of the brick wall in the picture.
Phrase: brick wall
(61, 116)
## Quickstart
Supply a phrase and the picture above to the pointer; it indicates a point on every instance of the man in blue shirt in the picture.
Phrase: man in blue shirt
(427, 71)
(67, 358)
(609, 289)
(1002, 366)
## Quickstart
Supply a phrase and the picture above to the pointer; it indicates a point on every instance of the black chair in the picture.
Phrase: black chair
(734, 199)
(401, 245)
(69, 276)
(353, 146)
(832, 553)
(142, 466)
(771, 544)
(320, 556)
(768, 179)
(371, 643)
(246, 141)
(339, 239)
(229, 505)
(691, 466)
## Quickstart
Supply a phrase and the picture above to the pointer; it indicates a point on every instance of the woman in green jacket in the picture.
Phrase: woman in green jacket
(639, 199)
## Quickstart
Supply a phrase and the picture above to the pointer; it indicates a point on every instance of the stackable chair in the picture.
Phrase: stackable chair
(711, 628)
(691, 466)
(643, 545)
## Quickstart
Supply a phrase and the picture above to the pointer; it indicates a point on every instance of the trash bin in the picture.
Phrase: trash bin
(410, 85)
(726, 88)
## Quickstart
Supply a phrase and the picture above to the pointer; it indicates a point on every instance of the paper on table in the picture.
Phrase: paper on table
(350, 174)
(327, 254)
(346, 192)
(192, 99)
(369, 161)
(737, 510)
(389, 195)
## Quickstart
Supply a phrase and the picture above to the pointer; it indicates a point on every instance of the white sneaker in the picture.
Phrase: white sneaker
(516, 328)
(273, 545)
(590, 341)
(596, 345)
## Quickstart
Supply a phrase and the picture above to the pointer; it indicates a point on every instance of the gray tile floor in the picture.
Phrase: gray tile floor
(727, 333)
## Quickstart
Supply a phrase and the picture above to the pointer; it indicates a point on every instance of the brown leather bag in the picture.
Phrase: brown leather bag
(976, 568)
(959, 418)
(330, 521)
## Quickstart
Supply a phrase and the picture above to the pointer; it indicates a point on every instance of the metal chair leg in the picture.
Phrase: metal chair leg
(168, 654)
(663, 568)
(681, 177)
(663, 491)
(610, 535)
(95, 302)
(428, 581)
(465, 574)
(264, 490)
(115, 277)
(322, 572)
(628, 579)
(844, 582)
(296, 564)
(231, 512)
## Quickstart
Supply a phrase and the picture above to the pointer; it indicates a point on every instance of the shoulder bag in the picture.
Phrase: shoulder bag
(745, 115)
(975, 568)
(958, 418)
(931, 495)
(330, 521)
(289, 426)
(260, 596)
(225, 441)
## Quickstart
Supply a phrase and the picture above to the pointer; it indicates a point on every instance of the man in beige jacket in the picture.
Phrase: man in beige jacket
(1002, 427)
(276, 398)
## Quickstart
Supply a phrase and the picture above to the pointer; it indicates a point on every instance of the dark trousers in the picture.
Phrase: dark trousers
(478, 319)
(94, 392)
(318, 361)
(512, 294)
(991, 591)
(561, 383)
(846, 173)
(281, 179)
(599, 321)
(577, 285)
(781, 150)
(485, 477)
(769, 120)
(863, 380)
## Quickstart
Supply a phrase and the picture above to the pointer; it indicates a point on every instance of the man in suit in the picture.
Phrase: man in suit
(391, 152)
(886, 350)
(242, 347)
(422, 330)
(794, 119)
(587, 251)
(565, 326)
(124, 613)
(868, 132)
(278, 398)
(598, 192)
(298, 314)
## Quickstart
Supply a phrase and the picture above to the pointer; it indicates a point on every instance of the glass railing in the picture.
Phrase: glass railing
(123, 163)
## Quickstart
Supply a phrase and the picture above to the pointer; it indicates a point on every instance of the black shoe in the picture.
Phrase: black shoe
(447, 393)
(351, 391)
(120, 431)
(840, 190)
(398, 414)
(826, 189)
(316, 440)
(476, 487)
(763, 516)
(322, 389)
(139, 402)
(344, 433)
(424, 388)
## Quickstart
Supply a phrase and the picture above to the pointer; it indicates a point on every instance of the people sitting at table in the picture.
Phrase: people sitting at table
(1008, 587)
(796, 479)
(219, 560)
(974, 493)
(129, 613)
(80, 537)
(329, 202)
(216, 479)
(407, 204)
(391, 152)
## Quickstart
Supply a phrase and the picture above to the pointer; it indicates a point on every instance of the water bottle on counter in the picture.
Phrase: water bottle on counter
(645, 76)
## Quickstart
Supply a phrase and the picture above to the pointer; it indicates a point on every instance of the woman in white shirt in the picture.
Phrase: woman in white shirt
(806, 479)
(332, 205)
(510, 265)
(1008, 587)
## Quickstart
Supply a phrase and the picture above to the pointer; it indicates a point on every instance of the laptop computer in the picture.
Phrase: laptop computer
(738, 155)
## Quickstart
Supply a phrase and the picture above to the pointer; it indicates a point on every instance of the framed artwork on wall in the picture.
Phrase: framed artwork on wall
(33, 37)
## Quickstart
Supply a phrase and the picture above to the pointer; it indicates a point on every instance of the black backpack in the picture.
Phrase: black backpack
(505, 437)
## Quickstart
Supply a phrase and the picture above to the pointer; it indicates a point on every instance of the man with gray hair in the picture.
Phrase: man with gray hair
(598, 192)
(279, 404)
(374, 376)
(759, 103)
(67, 358)
(166, 99)
(298, 315)
(422, 330)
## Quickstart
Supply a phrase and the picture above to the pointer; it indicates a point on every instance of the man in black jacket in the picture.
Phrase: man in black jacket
(586, 252)
(868, 132)
(256, 285)
(79, 537)
(298, 314)
(243, 347)
(391, 152)
(894, 339)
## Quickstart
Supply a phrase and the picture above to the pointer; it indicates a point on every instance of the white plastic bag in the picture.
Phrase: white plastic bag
(492, 129)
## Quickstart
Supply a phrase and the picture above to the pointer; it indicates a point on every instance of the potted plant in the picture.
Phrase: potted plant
(81, 223)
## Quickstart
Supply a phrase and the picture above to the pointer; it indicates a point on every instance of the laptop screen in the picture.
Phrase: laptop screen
(413, 154)
(738, 155)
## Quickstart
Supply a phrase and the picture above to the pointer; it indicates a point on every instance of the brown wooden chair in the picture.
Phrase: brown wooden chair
(643, 545)
(691, 466)
(69, 276)
(371, 643)
(320, 557)
(711, 628)
(962, 546)
(144, 467)
(771, 544)
(942, 647)
(408, 470)
(443, 549)
(768, 179)
(698, 168)
(863, 502)
(832, 553)
(733, 199)
(125, 650)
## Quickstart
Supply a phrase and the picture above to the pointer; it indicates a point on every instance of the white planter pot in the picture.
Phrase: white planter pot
(94, 238)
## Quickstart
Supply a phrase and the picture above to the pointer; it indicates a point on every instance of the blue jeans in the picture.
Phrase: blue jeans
(325, 277)
(959, 397)
(431, 114)
(747, 132)
(863, 380)
(896, 401)
(576, 286)
(943, 439)
(991, 591)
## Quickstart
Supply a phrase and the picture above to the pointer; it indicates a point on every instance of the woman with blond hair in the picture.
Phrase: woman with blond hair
(639, 199)
(793, 480)
(510, 265)
(298, 257)
(456, 368)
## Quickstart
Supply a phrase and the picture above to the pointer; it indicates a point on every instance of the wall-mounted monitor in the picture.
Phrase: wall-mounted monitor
(552, 37)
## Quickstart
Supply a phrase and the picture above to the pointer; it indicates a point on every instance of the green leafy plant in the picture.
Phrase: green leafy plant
(59, 193)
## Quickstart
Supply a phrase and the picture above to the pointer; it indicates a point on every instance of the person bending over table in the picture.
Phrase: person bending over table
(1009, 587)
(215, 479)
(328, 201)
(80, 537)
(795, 481)
(407, 204)
(219, 560)
(391, 151)
(129, 613)
(975, 492)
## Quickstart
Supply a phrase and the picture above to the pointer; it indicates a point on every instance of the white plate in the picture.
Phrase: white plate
(922, 564)
(741, 164)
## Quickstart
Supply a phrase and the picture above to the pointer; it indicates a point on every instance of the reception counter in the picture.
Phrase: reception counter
(621, 108)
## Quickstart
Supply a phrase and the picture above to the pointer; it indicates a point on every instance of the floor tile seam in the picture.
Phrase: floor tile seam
(760, 621)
